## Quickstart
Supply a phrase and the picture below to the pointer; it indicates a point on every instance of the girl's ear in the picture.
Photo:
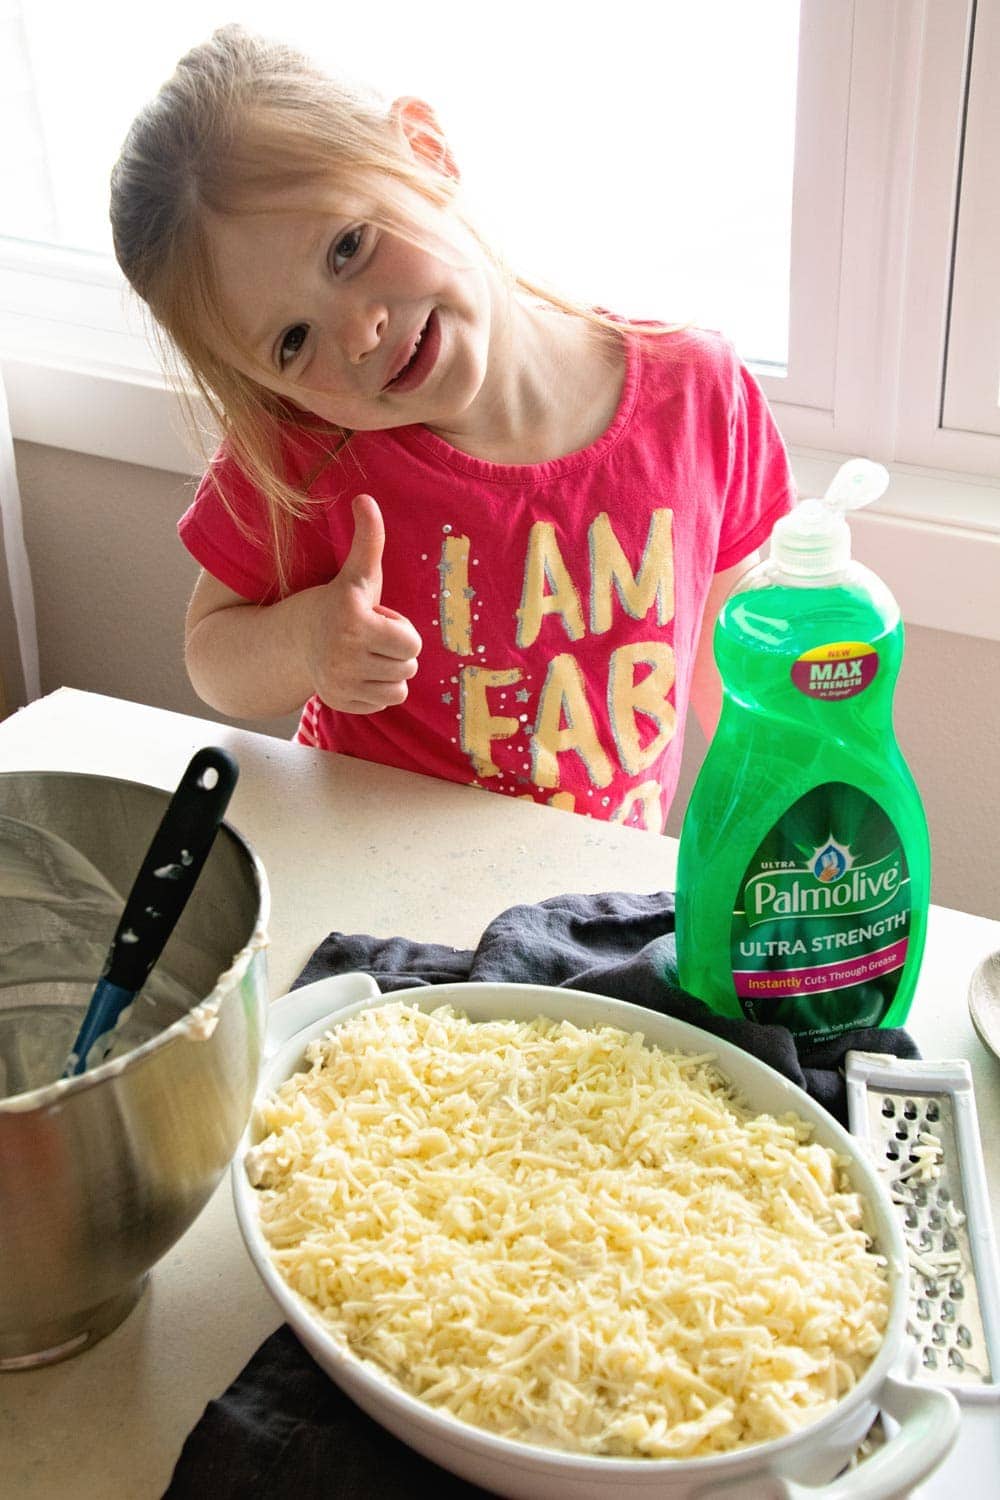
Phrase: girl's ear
(419, 125)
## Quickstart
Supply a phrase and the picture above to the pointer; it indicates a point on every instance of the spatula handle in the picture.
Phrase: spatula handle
(167, 876)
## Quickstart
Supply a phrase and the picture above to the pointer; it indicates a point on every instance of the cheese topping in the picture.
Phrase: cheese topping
(566, 1236)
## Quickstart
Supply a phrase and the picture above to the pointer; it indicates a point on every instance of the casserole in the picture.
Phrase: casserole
(806, 1462)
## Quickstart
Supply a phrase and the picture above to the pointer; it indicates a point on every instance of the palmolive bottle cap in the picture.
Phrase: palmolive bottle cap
(814, 539)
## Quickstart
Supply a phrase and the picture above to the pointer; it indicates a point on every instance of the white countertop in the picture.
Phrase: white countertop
(357, 848)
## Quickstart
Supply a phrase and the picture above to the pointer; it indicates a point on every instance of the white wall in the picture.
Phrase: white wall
(112, 580)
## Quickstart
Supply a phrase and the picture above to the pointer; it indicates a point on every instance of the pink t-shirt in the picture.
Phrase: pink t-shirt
(559, 603)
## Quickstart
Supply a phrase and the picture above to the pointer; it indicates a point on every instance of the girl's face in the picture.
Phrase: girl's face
(354, 323)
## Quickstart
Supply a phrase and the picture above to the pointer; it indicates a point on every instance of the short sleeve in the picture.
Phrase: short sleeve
(759, 483)
(227, 530)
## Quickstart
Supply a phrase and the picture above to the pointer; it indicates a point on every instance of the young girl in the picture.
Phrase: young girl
(478, 532)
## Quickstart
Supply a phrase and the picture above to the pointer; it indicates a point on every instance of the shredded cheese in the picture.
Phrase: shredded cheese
(566, 1236)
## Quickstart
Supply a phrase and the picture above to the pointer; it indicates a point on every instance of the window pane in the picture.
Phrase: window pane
(619, 153)
(972, 374)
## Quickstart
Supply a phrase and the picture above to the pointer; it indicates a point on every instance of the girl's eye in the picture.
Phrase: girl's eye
(292, 343)
(347, 247)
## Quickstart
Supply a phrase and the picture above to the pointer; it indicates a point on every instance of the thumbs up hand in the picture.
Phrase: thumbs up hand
(360, 654)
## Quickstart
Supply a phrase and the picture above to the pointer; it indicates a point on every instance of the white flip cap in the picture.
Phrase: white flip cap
(814, 539)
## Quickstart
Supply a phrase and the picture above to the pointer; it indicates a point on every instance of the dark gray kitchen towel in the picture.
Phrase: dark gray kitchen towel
(615, 944)
(283, 1429)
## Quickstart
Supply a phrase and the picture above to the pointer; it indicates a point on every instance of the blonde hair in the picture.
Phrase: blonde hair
(242, 121)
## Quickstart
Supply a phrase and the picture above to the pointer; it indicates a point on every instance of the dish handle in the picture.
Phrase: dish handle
(927, 1418)
(311, 1002)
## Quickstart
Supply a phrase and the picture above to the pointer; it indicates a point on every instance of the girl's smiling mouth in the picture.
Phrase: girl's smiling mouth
(420, 360)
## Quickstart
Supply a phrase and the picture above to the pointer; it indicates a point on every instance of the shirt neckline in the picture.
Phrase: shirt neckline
(418, 437)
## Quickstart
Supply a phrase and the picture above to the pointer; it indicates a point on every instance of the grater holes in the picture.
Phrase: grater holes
(916, 1147)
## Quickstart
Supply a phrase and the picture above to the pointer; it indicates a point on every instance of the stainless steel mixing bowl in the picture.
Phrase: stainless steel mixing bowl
(101, 1174)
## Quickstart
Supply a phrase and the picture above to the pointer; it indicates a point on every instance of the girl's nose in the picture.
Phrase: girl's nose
(362, 329)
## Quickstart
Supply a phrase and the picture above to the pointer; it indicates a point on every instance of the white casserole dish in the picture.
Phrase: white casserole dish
(804, 1464)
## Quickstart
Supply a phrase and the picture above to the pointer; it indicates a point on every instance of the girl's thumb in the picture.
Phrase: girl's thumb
(363, 565)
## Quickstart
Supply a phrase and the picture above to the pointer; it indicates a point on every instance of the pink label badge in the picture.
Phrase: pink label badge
(838, 670)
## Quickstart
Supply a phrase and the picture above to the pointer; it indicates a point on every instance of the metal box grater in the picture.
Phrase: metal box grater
(918, 1121)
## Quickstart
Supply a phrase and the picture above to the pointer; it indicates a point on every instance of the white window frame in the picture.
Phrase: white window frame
(899, 323)
(878, 143)
(805, 391)
(972, 360)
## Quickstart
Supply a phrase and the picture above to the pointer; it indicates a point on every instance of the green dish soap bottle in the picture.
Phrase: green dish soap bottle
(803, 874)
